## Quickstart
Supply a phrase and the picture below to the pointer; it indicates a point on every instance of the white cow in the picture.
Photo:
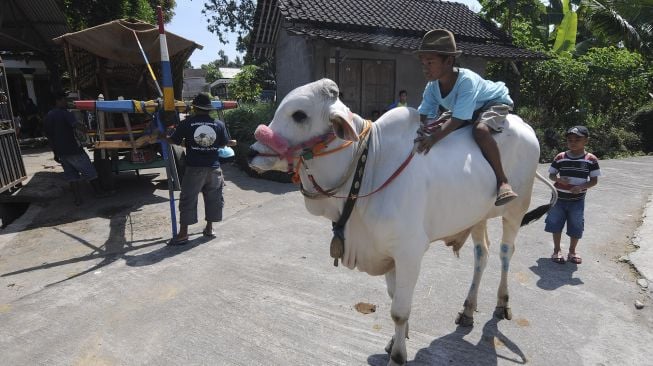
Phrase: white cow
(443, 195)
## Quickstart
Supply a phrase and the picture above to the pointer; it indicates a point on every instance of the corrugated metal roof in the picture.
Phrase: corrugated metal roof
(30, 25)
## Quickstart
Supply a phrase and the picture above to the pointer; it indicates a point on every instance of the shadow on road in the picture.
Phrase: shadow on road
(454, 350)
(554, 275)
(233, 174)
(134, 193)
(156, 256)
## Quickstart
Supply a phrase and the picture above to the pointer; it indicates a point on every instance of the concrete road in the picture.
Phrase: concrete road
(97, 286)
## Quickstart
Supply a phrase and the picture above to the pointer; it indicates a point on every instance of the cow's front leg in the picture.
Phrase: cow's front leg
(405, 277)
(479, 237)
(510, 228)
(390, 280)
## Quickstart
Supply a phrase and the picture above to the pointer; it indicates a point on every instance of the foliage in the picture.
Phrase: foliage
(566, 31)
(642, 122)
(555, 84)
(212, 71)
(230, 16)
(246, 86)
(619, 80)
(614, 22)
(602, 89)
(243, 120)
(82, 14)
(506, 12)
(242, 123)
(223, 60)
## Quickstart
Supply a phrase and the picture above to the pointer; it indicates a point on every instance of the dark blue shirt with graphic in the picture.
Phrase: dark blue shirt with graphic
(204, 136)
(59, 125)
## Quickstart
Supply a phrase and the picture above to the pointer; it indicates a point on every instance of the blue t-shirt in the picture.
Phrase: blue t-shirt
(469, 93)
(59, 125)
(204, 136)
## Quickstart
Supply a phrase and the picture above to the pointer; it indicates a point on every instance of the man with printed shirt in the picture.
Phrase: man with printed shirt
(203, 137)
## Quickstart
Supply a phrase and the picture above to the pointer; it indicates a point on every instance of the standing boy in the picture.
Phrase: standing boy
(468, 98)
(203, 137)
(402, 102)
(573, 171)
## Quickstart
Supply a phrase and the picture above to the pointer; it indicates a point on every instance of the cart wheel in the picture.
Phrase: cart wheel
(180, 161)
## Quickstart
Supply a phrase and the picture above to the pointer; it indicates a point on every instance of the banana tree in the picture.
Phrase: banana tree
(566, 32)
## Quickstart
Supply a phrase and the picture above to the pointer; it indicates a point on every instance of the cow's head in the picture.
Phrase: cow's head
(304, 114)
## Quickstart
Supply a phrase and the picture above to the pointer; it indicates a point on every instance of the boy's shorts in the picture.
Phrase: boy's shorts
(76, 167)
(571, 212)
(494, 116)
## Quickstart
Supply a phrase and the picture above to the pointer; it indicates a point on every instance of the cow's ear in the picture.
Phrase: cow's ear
(342, 121)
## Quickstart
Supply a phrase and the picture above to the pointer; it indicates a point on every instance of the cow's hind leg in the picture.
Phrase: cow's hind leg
(466, 316)
(405, 277)
(511, 224)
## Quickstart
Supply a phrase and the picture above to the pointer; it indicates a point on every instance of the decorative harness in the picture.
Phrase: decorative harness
(316, 147)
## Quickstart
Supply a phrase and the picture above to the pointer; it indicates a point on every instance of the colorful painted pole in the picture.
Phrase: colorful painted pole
(147, 62)
(166, 70)
(168, 106)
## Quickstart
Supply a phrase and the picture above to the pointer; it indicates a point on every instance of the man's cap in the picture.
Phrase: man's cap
(202, 101)
(439, 41)
(579, 130)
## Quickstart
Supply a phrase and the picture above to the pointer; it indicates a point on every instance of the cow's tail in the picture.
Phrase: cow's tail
(535, 214)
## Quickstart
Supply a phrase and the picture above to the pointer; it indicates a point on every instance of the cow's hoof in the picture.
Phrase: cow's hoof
(503, 312)
(388, 347)
(464, 320)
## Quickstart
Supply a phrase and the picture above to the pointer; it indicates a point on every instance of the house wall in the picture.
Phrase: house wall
(294, 63)
(193, 86)
(300, 61)
(408, 70)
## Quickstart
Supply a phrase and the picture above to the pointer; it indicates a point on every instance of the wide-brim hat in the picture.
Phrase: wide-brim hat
(203, 101)
(439, 41)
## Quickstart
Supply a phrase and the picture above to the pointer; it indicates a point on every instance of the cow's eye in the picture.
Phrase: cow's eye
(299, 116)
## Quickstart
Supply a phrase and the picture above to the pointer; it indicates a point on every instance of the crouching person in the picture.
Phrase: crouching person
(203, 136)
(59, 127)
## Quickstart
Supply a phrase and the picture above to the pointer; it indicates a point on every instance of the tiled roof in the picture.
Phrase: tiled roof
(379, 39)
(416, 16)
(30, 25)
(396, 24)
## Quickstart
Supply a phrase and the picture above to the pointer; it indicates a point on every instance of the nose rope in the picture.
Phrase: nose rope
(314, 147)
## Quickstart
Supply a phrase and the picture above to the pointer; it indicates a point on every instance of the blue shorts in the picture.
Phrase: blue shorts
(572, 212)
(76, 167)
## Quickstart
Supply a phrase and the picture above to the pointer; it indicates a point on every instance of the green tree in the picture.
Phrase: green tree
(230, 16)
(566, 30)
(212, 71)
(82, 14)
(246, 86)
(613, 22)
(224, 61)
(506, 12)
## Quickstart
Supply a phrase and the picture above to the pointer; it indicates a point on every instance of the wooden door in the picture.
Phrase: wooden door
(349, 84)
(377, 86)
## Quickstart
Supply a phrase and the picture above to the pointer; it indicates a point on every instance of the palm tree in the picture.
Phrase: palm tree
(626, 22)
